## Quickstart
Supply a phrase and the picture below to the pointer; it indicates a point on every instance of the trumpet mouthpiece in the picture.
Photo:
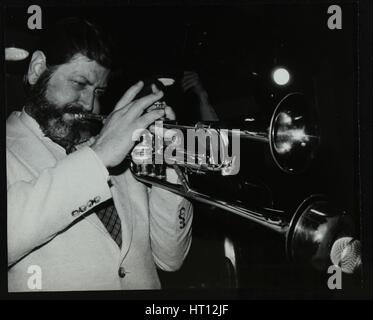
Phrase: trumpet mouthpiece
(88, 117)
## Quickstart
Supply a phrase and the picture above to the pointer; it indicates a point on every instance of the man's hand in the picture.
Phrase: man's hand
(169, 113)
(115, 140)
(192, 82)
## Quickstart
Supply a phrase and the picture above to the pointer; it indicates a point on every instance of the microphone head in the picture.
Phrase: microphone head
(346, 254)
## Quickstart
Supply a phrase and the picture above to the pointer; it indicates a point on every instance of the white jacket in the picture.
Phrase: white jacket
(50, 224)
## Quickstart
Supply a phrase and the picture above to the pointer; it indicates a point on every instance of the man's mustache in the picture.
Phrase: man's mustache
(74, 108)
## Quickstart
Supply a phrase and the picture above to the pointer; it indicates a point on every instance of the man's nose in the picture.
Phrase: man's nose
(90, 101)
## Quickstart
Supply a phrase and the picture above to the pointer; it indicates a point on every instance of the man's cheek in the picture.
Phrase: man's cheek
(61, 97)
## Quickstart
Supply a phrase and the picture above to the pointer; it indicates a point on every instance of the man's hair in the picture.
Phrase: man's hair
(72, 36)
(67, 38)
(61, 43)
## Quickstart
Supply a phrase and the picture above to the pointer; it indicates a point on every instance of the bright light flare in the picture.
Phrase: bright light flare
(281, 76)
(167, 81)
(15, 54)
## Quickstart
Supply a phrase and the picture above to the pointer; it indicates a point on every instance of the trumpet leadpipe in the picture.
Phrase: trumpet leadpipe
(100, 118)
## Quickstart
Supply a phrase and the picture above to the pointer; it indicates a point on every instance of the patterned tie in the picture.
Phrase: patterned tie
(110, 219)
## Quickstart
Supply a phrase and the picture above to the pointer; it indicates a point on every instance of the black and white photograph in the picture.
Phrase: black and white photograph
(194, 150)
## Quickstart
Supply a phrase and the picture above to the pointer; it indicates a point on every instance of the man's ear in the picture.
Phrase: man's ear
(37, 66)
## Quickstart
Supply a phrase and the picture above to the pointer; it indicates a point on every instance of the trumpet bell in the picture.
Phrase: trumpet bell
(314, 229)
(294, 134)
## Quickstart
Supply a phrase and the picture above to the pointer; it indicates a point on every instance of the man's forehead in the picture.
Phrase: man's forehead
(80, 65)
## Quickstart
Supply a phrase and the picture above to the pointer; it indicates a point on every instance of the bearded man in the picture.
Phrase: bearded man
(71, 224)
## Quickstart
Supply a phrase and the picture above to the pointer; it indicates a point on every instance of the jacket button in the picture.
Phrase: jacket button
(75, 213)
(97, 199)
(121, 272)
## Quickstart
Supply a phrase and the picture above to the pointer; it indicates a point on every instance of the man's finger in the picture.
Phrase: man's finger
(186, 82)
(186, 88)
(191, 76)
(190, 84)
(118, 112)
(169, 113)
(123, 110)
(141, 104)
(186, 73)
(148, 118)
(154, 88)
(129, 95)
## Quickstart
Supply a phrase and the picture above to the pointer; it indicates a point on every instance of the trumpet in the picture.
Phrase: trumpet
(291, 134)
(310, 230)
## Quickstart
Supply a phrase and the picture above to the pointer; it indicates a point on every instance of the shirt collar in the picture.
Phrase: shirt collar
(33, 125)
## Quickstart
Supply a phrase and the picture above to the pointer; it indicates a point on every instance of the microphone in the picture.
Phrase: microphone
(346, 254)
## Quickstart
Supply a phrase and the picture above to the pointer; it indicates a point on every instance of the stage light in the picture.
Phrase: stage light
(167, 81)
(15, 54)
(281, 76)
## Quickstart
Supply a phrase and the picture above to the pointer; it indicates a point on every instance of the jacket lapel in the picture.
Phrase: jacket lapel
(31, 149)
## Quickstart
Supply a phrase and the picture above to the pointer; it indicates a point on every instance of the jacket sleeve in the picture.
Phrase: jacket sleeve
(170, 226)
(40, 208)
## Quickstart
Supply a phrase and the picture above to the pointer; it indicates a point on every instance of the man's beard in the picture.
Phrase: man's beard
(50, 117)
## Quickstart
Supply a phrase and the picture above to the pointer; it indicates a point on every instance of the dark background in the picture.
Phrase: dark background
(225, 44)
